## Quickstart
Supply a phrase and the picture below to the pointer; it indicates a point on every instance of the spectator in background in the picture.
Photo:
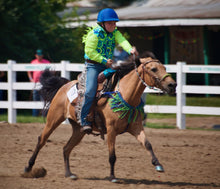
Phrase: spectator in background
(34, 76)
(120, 54)
(2, 74)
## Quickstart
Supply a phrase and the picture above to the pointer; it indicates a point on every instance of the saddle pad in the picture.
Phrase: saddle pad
(72, 94)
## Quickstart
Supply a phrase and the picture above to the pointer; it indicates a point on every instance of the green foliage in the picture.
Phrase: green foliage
(28, 25)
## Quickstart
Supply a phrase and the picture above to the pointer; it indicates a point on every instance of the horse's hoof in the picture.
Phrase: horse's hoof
(27, 169)
(73, 177)
(159, 168)
(114, 180)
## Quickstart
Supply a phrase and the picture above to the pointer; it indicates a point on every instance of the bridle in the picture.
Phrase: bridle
(157, 80)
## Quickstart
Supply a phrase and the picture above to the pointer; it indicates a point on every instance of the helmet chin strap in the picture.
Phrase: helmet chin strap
(103, 25)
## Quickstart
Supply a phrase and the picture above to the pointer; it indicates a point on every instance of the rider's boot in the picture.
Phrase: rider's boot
(87, 129)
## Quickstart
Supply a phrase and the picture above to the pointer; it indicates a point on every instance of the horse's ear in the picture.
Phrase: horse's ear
(137, 61)
(147, 54)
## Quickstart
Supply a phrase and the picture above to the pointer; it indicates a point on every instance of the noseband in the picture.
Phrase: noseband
(157, 80)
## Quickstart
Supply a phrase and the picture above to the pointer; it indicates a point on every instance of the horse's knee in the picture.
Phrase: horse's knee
(66, 152)
(39, 139)
(154, 158)
(148, 145)
(112, 158)
(31, 163)
(34, 156)
(41, 142)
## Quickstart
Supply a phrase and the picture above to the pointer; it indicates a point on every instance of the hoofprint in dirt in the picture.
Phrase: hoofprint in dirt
(191, 159)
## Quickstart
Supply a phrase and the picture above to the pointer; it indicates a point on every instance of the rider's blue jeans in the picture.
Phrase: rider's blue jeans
(92, 72)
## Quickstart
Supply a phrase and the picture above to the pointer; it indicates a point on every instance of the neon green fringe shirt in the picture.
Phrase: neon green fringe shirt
(99, 45)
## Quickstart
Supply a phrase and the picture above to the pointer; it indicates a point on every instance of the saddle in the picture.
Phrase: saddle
(94, 116)
(104, 85)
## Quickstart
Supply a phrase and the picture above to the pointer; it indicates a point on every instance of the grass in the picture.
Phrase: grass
(30, 119)
(159, 126)
(26, 117)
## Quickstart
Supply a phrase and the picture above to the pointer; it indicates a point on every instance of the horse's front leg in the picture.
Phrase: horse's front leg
(141, 137)
(112, 157)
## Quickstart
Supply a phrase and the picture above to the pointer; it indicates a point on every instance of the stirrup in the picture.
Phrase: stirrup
(86, 129)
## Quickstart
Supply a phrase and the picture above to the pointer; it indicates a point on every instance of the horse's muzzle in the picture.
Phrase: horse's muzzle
(171, 88)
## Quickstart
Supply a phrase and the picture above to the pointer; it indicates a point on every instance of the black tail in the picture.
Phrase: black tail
(50, 85)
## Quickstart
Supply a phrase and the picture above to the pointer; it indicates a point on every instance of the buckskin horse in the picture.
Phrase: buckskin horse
(120, 113)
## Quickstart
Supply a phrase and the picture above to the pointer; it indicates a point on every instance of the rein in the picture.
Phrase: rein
(158, 81)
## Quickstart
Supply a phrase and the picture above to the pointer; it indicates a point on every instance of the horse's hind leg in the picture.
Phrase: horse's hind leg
(140, 136)
(73, 141)
(111, 136)
(52, 123)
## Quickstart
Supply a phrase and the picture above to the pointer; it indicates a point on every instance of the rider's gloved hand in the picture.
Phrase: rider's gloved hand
(134, 51)
(109, 63)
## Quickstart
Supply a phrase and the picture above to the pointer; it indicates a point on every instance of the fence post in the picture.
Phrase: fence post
(64, 73)
(12, 114)
(181, 97)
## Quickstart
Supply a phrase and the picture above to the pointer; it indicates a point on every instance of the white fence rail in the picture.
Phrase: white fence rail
(65, 67)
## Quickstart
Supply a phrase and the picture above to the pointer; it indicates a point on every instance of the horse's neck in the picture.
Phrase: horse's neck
(131, 88)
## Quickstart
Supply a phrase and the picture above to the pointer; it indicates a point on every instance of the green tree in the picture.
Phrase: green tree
(28, 25)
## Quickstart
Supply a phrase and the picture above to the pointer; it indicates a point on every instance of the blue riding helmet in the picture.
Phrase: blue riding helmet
(107, 14)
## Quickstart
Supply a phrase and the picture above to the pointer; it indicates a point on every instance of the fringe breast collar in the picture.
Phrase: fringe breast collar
(118, 104)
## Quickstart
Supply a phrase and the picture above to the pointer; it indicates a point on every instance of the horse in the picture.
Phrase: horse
(144, 72)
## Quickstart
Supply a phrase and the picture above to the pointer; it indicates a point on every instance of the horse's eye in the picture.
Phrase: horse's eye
(154, 70)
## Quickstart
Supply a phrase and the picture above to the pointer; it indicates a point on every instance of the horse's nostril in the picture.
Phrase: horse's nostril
(172, 85)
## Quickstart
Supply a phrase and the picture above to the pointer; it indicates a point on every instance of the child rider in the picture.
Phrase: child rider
(100, 42)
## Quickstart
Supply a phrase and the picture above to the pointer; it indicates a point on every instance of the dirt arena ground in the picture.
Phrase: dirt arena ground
(191, 159)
